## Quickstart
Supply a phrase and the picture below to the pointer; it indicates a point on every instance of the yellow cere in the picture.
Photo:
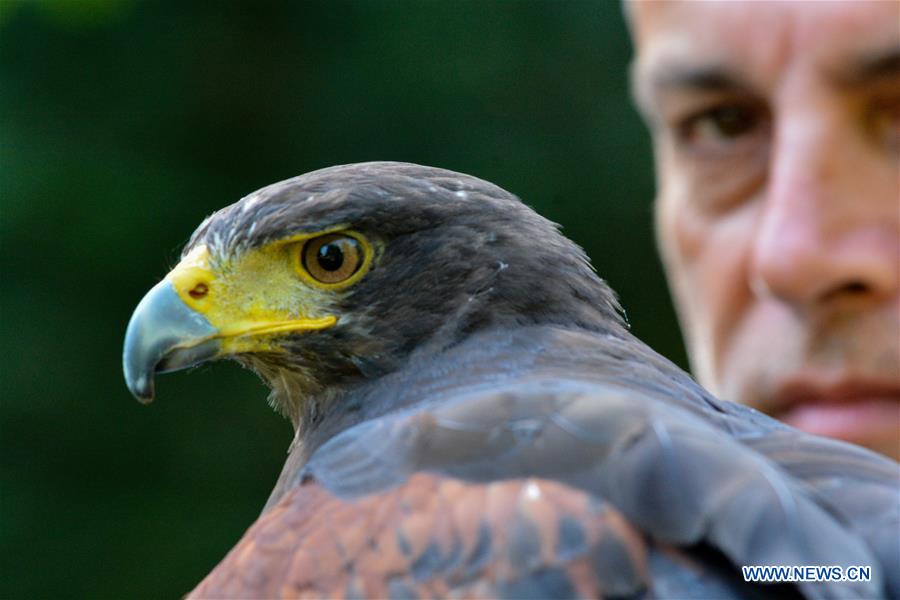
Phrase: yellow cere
(253, 297)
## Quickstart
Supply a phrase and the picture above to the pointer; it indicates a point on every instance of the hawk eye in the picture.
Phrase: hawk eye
(332, 258)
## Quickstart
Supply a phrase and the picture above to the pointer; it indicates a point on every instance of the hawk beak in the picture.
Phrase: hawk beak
(164, 334)
(191, 317)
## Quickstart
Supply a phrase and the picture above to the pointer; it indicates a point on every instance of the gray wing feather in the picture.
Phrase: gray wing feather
(676, 476)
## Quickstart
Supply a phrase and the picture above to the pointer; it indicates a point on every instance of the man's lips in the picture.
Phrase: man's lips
(859, 412)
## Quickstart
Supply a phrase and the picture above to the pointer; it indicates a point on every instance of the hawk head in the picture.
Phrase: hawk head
(325, 281)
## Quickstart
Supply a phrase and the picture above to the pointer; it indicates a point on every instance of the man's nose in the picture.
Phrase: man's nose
(828, 228)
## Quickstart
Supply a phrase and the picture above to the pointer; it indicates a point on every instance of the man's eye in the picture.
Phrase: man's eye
(720, 125)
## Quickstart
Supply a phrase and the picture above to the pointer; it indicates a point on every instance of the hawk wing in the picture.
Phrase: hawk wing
(439, 536)
(559, 488)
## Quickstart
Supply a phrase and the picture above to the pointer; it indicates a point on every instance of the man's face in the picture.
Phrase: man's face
(776, 130)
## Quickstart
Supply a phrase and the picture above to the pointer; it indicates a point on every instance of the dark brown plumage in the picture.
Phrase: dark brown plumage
(479, 421)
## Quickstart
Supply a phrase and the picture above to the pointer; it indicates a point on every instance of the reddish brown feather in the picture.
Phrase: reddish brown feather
(313, 544)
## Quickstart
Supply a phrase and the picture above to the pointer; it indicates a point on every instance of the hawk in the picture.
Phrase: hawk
(474, 419)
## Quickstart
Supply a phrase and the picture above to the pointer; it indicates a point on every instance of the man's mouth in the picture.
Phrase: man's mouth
(861, 412)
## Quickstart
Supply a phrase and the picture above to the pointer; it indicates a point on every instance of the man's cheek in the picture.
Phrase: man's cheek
(725, 267)
(760, 349)
(711, 257)
(681, 238)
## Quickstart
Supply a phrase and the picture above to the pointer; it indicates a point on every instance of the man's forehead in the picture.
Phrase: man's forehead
(756, 41)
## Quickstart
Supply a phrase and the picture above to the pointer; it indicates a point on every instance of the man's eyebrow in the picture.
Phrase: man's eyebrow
(651, 82)
(870, 68)
(707, 78)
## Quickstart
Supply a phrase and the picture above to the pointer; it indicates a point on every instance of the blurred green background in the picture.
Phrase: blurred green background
(124, 123)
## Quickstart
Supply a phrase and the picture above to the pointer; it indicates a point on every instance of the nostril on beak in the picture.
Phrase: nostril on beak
(199, 291)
